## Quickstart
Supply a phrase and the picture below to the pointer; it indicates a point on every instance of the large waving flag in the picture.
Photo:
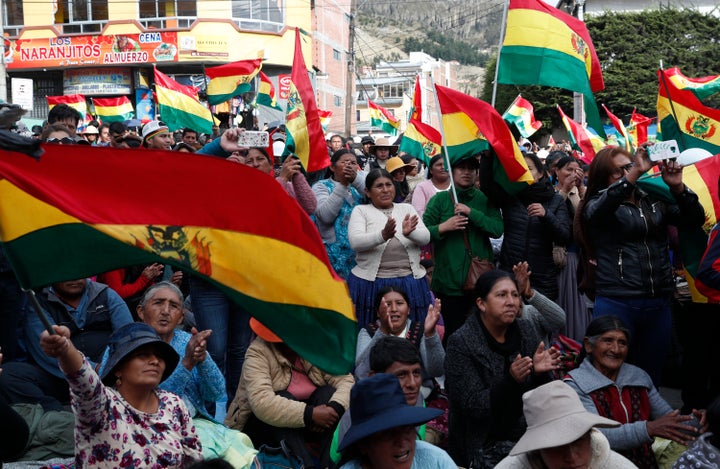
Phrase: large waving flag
(701, 87)
(520, 113)
(589, 143)
(382, 118)
(638, 128)
(113, 109)
(620, 127)
(75, 101)
(76, 213)
(266, 93)
(180, 106)
(229, 80)
(682, 117)
(470, 125)
(421, 141)
(305, 137)
(416, 109)
(545, 46)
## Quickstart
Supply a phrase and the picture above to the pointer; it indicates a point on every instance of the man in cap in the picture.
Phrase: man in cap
(157, 136)
(365, 156)
(381, 150)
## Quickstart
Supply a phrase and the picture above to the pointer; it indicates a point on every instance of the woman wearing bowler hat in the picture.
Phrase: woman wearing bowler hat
(121, 418)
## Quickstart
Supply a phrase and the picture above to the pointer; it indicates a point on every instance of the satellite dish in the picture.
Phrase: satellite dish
(693, 155)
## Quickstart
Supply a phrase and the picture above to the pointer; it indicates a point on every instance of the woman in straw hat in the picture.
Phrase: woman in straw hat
(561, 434)
(122, 419)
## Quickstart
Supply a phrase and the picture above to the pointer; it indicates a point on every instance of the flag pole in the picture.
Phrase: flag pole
(672, 106)
(497, 62)
(38, 310)
(453, 191)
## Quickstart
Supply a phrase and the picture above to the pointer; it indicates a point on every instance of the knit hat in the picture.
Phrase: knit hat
(152, 129)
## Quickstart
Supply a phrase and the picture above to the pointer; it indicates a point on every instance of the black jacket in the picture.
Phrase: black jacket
(630, 240)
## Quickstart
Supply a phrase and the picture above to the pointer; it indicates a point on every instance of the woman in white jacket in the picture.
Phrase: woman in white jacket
(386, 238)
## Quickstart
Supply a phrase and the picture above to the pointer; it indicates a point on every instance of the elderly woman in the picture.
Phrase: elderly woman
(337, 195)
(496, 356)
(624, 230)
(438, 180)
(393, 307)
(197, 379)
(386, 238)
(617, 390)
(562, 434)
(123, 419)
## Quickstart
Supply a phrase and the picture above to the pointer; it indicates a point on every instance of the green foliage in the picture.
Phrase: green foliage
(630, 47)
(440, 45)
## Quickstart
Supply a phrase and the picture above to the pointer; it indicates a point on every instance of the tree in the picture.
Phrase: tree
(630, 47)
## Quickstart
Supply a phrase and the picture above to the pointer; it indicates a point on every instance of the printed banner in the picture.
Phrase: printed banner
(67, 51)
(97, 81)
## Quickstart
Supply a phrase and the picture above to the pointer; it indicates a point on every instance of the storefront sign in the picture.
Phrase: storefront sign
(194, 46)
(67, 51)
(284, 86)
(97, 81)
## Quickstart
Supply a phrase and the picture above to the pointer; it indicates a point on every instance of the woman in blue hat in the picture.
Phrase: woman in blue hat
(122, 419)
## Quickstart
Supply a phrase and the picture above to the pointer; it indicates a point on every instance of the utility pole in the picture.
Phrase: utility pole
(578, 102)
(350, 84)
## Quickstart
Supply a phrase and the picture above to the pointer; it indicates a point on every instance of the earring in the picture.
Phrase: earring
(118, 381)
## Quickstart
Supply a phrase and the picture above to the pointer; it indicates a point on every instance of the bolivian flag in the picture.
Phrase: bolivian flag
(701, 87)
(113, 109)
(382, 118)
(230, 80)
(75, 101)
(589, 143)
(78, 213)
(470, 125)
(421, 141)
(180, 106)
(520, 113)
(266, 93)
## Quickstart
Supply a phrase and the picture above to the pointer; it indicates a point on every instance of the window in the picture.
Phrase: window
(164, 10)
(264, 15)
(337, 55)
(12, 17)
(337, 100)
(81, 16)
(357, 116)
(392, 90)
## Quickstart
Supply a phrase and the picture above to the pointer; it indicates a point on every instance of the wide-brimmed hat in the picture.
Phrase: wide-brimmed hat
(382, 143)
(378, 403)
(395, 163)
(90, 130)
(263, 332)
(153, 128)
(555, 417)
(129, 338)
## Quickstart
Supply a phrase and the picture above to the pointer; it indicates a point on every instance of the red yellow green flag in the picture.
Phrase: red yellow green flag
(589, 143)
(180, 106)
(382, 118)
(521, 114)
(545, 46)
(74, 214)
(620, 127)
(305, 136)
(470, 125)
(682, 117)
(266, 93)
(421, 141)
(638, 128)
(325, 118)
(416, 110)
(701, 87)
(230, 80)
(75, 101)
(113, 109)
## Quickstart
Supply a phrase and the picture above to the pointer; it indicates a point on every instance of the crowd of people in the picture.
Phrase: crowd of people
(461, 291)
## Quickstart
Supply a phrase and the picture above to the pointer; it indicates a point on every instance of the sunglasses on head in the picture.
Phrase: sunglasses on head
(61, 141)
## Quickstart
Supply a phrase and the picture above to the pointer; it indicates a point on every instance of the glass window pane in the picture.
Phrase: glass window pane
(148, 9)
(186, 8)
(79, 10)
(13, 13)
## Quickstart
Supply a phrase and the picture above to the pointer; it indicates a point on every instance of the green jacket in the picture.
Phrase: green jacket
(451, 263)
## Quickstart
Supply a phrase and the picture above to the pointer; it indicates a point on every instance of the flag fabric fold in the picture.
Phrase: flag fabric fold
(470, 126)
(382, 118)
(421, 141)
(682, 117)
(416, 109)
(266, 93)
(520, 113)
(638, 128)
(90, 214)
(701, 87)
(620, 127)
(305, 136)
(117, 109)
(545, 46)
(589, 143)
(180, 106)
(230, 80)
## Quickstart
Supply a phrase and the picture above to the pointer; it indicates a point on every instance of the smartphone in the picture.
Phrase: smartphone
(254, 138)
(664, 150)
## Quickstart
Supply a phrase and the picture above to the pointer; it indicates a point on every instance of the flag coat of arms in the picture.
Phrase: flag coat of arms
(382, 118)
(545, 46)
(521, 114)
(180, 106)
(79, 213)
(421, 141)
(230, 80)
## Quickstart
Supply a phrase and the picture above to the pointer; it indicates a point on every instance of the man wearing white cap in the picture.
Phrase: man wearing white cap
(561, 434)
(156, 135)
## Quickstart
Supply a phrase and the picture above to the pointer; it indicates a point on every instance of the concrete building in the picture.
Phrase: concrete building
(391, 85)
(596, 7)
(109, 47)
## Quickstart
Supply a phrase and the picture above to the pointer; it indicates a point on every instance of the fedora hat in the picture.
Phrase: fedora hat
(555, 417)
(377, 403)
(383, 143)
(129, 338)
(395, 163)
